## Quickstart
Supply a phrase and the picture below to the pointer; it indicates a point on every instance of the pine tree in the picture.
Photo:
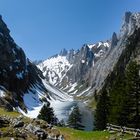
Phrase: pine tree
(47, 114)
(62, 123)
(133, 88)
(101, 112)
(74, 120)
(119, 107)
(124, 98)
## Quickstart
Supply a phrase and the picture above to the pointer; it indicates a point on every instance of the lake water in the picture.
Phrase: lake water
(87, 116)
(63, 109)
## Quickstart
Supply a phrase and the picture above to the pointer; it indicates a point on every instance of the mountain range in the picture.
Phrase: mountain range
(82, 72)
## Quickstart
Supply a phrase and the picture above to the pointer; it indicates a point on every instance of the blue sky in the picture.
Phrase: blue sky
(44, 27)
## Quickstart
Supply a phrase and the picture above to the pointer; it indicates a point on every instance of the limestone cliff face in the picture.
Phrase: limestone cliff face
(119, 43)
(90, 66)
(72, 67)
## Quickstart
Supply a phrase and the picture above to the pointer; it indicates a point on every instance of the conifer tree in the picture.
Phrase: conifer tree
(119, 107)
(101, 112)
(74, 120)
(62, 123)
(133, 88)
(124, 97)
(47, 114)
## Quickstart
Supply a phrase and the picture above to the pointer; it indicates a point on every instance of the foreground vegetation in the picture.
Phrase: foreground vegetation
(68, 133)
(72, 134)
(8, 113)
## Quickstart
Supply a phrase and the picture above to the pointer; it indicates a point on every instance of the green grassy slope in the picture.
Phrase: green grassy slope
(71, 134)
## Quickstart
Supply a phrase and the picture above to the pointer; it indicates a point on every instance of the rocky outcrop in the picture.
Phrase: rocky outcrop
(83, 60)
(25, 128)
(114, 40)
(63, 52)
(18, 123)
(4, 122)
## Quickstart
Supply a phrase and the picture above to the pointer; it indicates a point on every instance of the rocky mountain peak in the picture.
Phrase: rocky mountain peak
(130, 23)
(63, 52)
(85, 50)
(114, 40)
(127, 17)
(71, 55)
(13, 62)
(3, 27)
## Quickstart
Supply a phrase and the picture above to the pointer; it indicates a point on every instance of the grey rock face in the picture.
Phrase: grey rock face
(31, 128)
(80, 64)
(93, 63)
(127, 17)
(84, 61)
(130, 23)
(63, 52)
(70, 56)
(106, 64)
(37, 131)
(114, 40)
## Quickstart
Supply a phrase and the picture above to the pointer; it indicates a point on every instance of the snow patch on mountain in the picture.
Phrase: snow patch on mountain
(3, 91)
(56, 93)
(105, 44)
(20, 75)
(34, 99)
(55, 68)
(100, 48)
(84, 92)
(91, 46)
(72, 87)
(2, 94)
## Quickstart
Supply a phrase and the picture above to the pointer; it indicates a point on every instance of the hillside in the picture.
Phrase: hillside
(22, 85)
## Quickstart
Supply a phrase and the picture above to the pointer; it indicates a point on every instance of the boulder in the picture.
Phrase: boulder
(36, 131)
(18, 124)
(3, 122)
